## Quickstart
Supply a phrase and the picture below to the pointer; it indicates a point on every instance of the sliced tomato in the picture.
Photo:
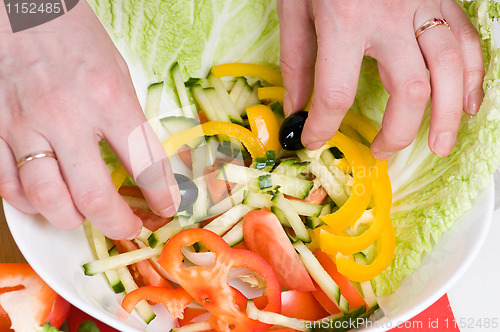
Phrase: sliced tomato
(347, 289)
(202, 116)
(184, 154)
(217, 188)
(317, 196)
(27, 301)
(143, 272)
(295, 304)
(77, 317)
(324, 300)
(131, 191)
(264, 235)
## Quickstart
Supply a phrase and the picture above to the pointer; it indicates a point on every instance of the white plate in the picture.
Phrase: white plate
(57, 256)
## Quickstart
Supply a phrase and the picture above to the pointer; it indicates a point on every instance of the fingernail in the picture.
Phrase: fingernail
(168, 212)
(287, 104)
(444, 143)
(314, 145)
(139, 229)
(383, 155)
(474, 101)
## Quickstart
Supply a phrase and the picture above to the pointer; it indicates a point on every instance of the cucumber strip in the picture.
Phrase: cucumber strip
(164, 233)
(314, 222)
(253, 99)
(101, 250)
(228, 219)
(182, 93)
(142, 308)
(322, 278)
(306, 209)
(125, 259)
(242, 102)
(332, 186)
(237, 89)
(87, 229)
(234, 235)
(152, 109)
(237, 196)
(291, 167)
(217, 105)
(144, 235)
(258, 200)
(273, 318)
(202, 99)
(194, 327)
(366, 287)
(293, 218)
(281, 216)
(296, 187)
(226, 102)
(200, 163)
(176, 124)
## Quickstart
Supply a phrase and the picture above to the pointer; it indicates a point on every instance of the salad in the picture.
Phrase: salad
(312, 223)
(428, 193)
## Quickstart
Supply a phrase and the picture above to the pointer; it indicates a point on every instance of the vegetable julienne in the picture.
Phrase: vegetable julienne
(291, 192)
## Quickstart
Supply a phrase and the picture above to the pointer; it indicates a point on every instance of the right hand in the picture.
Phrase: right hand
(63, 88)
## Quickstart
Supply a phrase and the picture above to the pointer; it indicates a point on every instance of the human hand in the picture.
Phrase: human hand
(63, 88)
(322, 46)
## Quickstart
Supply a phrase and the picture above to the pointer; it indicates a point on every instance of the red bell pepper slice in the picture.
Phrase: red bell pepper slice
(209, 286)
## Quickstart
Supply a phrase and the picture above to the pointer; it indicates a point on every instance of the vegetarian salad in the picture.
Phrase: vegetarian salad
(270, 235)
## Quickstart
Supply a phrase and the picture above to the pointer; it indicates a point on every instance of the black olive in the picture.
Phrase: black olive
(188, 191)
(291, 130)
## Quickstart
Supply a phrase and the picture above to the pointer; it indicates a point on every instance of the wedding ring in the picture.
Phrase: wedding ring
(433, 22)
(37, 155)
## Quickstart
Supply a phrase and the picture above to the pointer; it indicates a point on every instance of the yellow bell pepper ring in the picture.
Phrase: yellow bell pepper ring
(268, 74)
(356, 204)
(385, 252)
(245, 136)
(362, 125)
(347, 245)
(118, 176)
(265, 126)
(272, 93)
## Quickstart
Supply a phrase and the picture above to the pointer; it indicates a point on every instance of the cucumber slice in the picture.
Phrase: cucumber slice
(228, 219)
(322, 278)
(152, 109)
(218, 107)
(293, 218)
(296, 187)
(176, 124)
(306, 209)
(366, 287)
(234, 235)
(242, 101)
(164, 233)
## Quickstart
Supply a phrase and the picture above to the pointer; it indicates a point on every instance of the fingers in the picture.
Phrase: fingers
(144, 157)
(298, 53)
(468, 40)
(10, 186)
(43, 183)
(404, 76)
(92, 191)
(444, 60)
(338, 61)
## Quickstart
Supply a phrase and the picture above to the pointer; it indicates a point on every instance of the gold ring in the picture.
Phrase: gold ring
(433, 22)
(37, 155)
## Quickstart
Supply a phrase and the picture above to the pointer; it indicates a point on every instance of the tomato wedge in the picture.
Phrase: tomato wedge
(295, 304)
(264, 235)
(317, 196)
(26, 301)
(347, 289)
